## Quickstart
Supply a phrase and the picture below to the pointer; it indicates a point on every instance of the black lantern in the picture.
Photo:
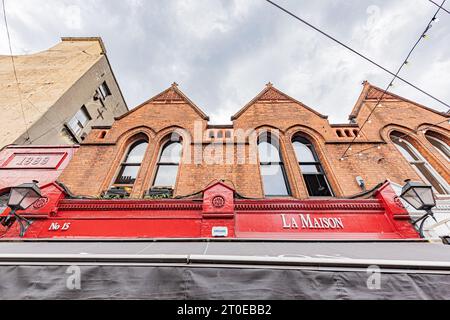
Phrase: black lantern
(21, 198)
(419, 195)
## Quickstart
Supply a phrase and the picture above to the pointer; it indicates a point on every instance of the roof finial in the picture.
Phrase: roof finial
(269, 84)
(174, 84)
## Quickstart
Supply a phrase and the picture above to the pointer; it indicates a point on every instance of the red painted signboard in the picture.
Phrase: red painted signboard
(31, 160)
(217, 214)
(21, 164)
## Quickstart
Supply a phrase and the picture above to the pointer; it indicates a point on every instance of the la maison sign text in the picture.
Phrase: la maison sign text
(305, 221)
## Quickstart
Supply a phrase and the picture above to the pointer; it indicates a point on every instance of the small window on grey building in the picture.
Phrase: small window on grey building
(79, 121)
(104, 90)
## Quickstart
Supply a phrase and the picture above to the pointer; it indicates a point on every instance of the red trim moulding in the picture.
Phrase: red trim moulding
(217, 214)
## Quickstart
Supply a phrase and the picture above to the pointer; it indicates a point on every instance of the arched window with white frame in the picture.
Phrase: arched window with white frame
(130, 165)
(168, 163)
(273, 174)
(439, 144)
(312, 170)
(420, 164)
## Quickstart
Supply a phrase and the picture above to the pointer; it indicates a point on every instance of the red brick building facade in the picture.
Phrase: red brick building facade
(133, 147)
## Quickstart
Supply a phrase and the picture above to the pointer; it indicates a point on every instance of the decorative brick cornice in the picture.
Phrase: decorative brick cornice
(309, 205)
(241, 205)
(133, 205)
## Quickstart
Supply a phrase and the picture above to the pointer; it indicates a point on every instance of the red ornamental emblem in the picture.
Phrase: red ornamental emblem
(40, 203)
(218, 202)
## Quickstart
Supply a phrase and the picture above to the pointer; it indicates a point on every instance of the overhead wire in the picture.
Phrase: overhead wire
(436, 4)
(404, 136)
(14, 70)
(403, 64)
(396, 75)
(356, 52)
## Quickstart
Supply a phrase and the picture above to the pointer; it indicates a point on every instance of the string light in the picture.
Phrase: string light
(359, 53)
(391, 84)
(400, 139)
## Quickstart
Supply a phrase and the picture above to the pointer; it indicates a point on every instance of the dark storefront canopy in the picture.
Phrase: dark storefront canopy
(224, 270)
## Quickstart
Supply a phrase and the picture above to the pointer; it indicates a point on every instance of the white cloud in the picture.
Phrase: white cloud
(72, 17)
(222, 52)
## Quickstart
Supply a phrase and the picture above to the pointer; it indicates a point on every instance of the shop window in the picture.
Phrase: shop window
(439, 145)
(168, 164)
(130, 166)
(311, 168)
(420, 164)
(104, 90)
(273, 173)
(79, 121)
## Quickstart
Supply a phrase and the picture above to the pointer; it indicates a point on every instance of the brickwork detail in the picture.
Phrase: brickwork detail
(96, 163)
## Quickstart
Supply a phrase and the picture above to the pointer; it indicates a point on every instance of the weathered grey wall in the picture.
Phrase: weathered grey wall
(53, 86)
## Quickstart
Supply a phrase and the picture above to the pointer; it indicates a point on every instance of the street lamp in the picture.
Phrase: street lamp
(21, 198)
(421, 197)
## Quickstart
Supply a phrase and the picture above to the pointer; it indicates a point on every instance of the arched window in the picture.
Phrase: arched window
(312, 170)
(168, 163)
(420, 164)
(272, 168)
(440, 145)
(129, 168)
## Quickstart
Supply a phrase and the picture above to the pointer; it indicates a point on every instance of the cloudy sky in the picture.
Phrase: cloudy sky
(223, 52)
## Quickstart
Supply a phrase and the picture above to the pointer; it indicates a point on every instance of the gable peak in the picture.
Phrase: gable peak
(172, 94)
(272, 94)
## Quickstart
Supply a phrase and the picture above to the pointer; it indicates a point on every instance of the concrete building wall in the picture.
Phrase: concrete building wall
(54, 85)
